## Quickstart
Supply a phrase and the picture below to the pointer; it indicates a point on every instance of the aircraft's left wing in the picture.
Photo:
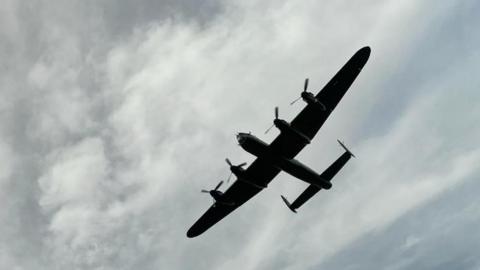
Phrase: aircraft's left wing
(241, 190)
(238, 193)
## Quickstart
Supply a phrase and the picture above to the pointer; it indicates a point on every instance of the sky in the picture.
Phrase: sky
(114, 115)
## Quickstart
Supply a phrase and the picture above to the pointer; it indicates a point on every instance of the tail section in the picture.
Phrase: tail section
(328, 175)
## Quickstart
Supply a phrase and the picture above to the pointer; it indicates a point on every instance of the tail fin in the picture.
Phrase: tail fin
(346, 149)
(288, 204)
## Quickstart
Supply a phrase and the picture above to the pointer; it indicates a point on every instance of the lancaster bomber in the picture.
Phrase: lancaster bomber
(280, 154)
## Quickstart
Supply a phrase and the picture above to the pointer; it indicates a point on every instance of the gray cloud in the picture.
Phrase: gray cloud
(448, 240)
(115, 115)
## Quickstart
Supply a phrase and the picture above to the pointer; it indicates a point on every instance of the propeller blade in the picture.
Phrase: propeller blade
(266, 131)
(230, 176)
(219, 184)
(276, 112)
(243, 164)
(204, 191)
(293, 102)
(228, 162)
(305, 86)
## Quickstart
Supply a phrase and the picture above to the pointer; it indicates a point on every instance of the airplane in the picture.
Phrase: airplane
(280, 154)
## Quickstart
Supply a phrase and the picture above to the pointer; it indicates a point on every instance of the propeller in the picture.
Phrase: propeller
(276, 117)
(215, 189)
(231, 165)
(305, 87)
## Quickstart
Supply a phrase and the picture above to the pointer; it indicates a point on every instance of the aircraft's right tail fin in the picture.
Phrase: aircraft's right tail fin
(344, 147)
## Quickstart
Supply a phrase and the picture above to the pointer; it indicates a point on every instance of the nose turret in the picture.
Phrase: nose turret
(252, 144)
(241, 137)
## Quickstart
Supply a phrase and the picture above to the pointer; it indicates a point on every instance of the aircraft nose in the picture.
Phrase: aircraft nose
(240, 138)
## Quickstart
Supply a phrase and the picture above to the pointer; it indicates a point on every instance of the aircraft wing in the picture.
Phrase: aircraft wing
(311, 118)
(239, 192)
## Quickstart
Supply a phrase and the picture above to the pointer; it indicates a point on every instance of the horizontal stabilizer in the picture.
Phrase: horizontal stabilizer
(346, 149)
(288, 204)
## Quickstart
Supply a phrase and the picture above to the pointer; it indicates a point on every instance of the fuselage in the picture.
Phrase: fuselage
(260, 149)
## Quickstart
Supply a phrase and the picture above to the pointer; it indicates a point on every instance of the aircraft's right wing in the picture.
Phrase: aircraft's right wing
(311, 119)
(328, 174)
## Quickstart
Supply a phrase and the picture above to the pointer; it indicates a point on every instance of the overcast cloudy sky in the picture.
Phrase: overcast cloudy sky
(115, 114)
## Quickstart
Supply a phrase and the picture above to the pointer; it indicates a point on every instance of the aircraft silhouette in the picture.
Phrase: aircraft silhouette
(280, 154)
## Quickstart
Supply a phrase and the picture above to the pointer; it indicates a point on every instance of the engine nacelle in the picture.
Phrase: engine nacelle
(241, 175)
(285, 127)
(310, 99)
(237, 171)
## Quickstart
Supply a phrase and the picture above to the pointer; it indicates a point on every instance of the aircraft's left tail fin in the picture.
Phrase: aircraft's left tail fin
(289, 205)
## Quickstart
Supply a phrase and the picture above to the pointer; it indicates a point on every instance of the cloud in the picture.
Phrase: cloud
(114, 116)
(443, 242)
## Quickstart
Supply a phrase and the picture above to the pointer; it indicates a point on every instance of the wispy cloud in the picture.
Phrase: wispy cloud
(114, 116)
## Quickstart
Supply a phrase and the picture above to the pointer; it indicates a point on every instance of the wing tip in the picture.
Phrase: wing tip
(365, 50)
(191, 233)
